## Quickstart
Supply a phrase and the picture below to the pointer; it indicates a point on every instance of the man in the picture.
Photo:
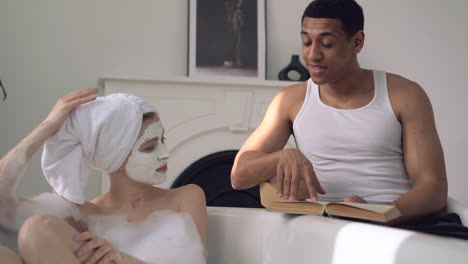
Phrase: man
(362, 135)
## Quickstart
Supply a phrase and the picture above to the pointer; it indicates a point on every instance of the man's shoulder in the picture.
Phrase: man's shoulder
(294, 89)
(406, 95)
(289, 100)
(404, 89)
(292, 94)
(398, 82)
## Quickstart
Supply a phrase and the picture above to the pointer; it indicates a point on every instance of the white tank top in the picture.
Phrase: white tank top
(356, 151)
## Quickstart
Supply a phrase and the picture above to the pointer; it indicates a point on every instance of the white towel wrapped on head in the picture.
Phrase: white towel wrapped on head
(101, 133)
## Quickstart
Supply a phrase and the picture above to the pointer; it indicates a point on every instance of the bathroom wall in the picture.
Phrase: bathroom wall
(49, 48)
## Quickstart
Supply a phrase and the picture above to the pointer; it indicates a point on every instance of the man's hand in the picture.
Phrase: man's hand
(294, 169)
(354, 199)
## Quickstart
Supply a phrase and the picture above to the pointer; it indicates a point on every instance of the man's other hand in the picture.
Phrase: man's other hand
(354, 199)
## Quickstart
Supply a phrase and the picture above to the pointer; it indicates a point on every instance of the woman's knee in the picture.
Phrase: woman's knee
(42, 230)
(8, 256)
(37, 227)
(40, 234)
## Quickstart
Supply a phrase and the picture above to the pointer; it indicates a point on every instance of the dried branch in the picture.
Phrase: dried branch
(3, 91)
(235, 14)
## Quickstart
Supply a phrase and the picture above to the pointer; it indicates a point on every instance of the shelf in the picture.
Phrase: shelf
(199, 80)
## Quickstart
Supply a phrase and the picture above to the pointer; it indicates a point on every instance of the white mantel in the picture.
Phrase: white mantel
(201, 116)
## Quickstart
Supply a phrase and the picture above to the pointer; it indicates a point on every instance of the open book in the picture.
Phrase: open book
(372, 212)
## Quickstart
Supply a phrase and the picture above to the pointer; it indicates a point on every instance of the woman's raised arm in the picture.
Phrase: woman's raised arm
(14, 163)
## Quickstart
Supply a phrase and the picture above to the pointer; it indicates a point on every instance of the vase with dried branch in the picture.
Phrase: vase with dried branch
(234, 21)
(3, 91)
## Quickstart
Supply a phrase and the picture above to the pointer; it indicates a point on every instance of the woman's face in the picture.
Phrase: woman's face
(147, 162)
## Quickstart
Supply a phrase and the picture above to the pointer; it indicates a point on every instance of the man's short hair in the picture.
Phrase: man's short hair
(347, 11)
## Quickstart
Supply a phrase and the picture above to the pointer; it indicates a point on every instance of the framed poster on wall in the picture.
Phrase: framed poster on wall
(227, 38)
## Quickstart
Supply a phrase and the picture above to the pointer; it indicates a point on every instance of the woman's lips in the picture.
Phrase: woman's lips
(162, 169)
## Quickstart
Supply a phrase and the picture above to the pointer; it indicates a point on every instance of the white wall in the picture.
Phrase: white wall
(49, 48)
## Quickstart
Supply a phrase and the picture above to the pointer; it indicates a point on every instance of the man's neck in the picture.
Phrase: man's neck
(355, 89)
(350, 83)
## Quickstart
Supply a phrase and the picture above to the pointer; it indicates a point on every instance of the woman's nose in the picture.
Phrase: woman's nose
(162, 152)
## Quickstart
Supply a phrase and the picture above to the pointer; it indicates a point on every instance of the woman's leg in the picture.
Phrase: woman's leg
(8, 256)
(48, 239)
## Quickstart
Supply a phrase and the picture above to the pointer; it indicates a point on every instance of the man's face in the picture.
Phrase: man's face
(327, 50)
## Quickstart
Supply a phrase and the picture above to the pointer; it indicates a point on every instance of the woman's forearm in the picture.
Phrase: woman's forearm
(132, 260)
(13, 165)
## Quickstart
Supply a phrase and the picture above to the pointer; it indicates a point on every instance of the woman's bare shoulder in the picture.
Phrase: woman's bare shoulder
(189, 195)
(192, 191)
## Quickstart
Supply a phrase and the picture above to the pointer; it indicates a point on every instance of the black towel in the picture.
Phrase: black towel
(441, 224)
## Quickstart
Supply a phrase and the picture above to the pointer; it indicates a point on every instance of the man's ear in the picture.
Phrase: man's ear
(358, 41)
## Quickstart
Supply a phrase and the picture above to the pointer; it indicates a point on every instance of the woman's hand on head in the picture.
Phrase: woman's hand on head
(66, 104)
(100, 249)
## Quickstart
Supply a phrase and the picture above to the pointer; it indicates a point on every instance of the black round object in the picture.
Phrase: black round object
(213, 174)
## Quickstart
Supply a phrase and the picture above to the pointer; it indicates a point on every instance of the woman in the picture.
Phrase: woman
(134, 222)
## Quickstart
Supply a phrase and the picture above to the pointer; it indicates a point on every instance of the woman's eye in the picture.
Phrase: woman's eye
(307, 44)
(149, 149)
(328, 45)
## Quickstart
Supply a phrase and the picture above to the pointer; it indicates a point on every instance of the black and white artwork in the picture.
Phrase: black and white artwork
(227, 38)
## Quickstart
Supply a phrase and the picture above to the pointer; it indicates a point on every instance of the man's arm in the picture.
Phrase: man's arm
(423, 154)
(256, 160)
(262, 157)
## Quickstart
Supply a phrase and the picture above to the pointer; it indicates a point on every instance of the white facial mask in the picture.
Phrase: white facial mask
(149, 166)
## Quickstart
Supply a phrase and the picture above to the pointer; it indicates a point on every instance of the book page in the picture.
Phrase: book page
(303, 201)
(378, 208)
(297, 207)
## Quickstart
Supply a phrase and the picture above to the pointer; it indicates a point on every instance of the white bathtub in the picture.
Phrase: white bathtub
(248, 236)
(256, 236)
